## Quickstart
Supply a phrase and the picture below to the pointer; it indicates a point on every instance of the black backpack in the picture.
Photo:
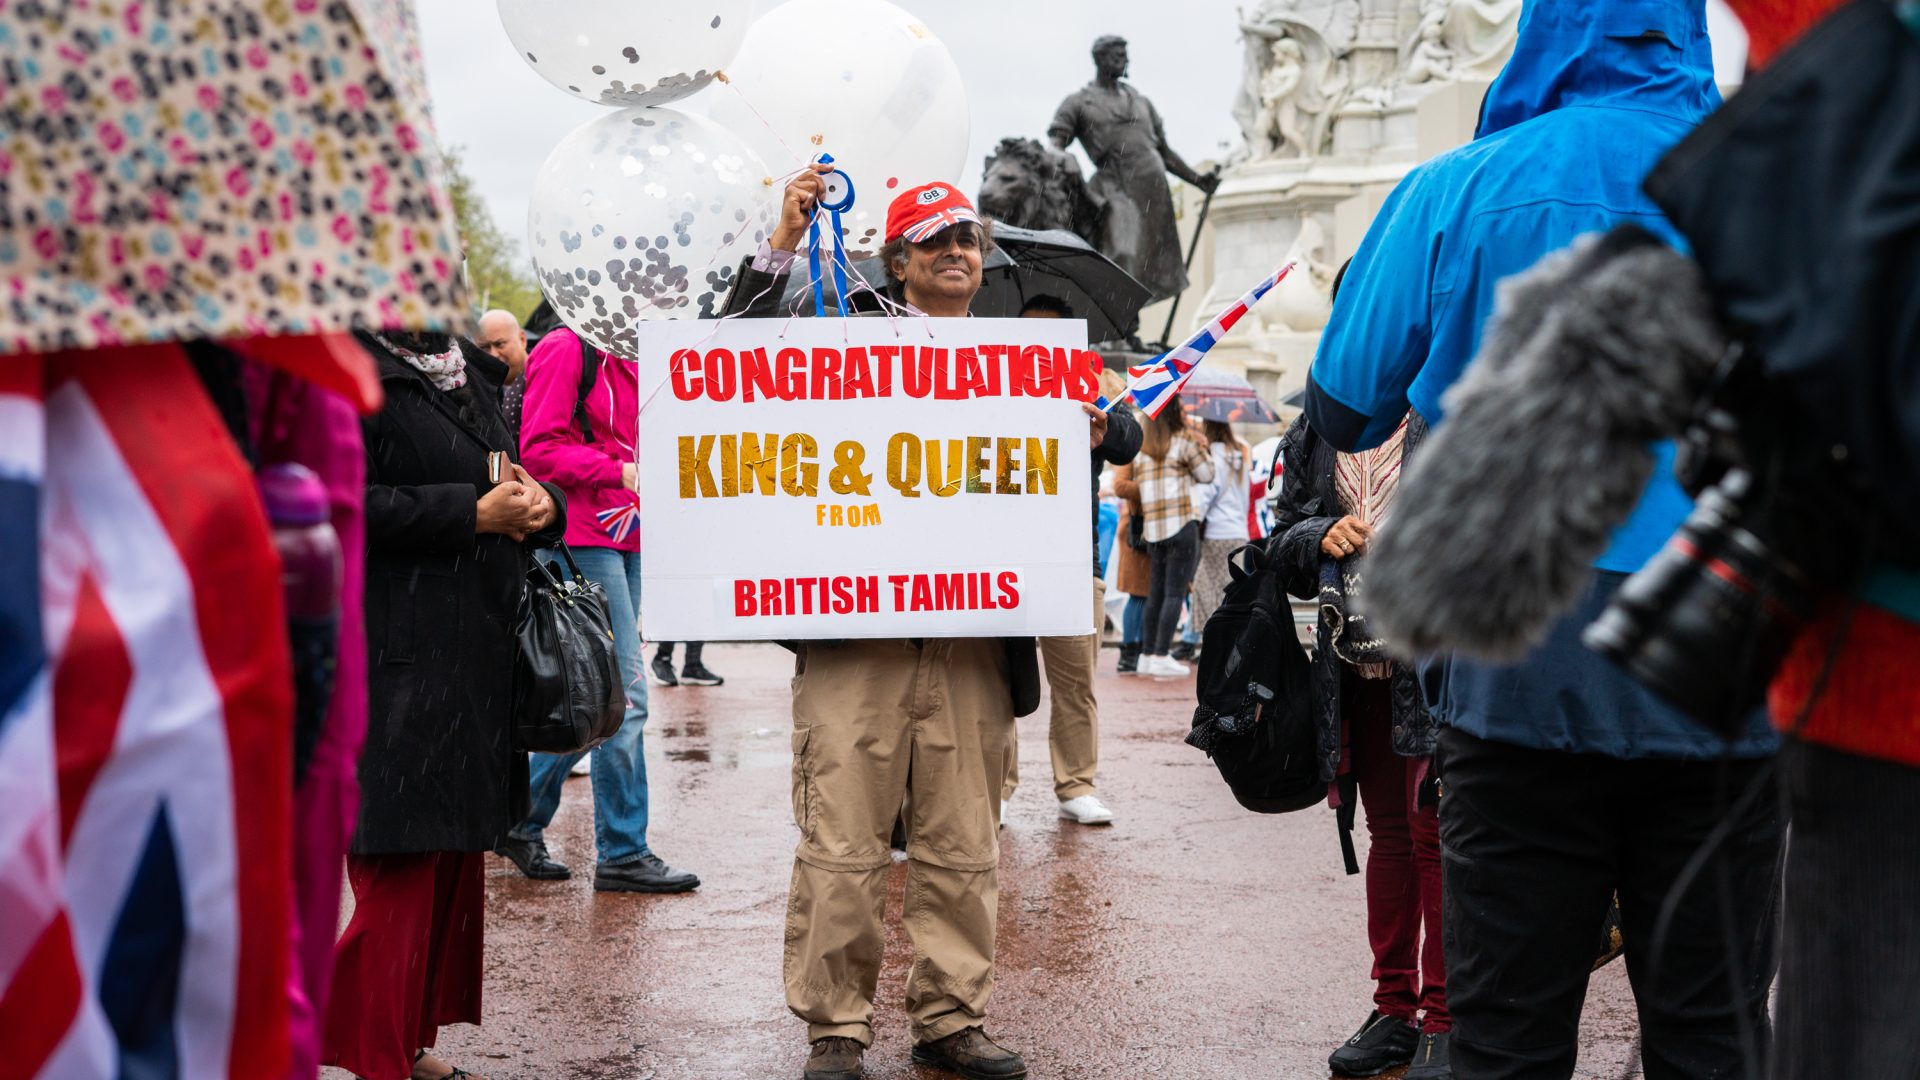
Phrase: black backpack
(1255, 718)
(589, 371)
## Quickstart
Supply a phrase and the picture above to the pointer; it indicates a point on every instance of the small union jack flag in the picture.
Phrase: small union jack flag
(620, 521)
(1152, 384)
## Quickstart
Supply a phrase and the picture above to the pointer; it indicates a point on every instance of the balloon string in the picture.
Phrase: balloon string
(887, 305)
(893, 311)
(793, 312)
(780, 181)
(674, 369)
(771, 130)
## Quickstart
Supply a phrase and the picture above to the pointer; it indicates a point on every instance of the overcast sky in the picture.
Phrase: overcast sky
(1018, 57)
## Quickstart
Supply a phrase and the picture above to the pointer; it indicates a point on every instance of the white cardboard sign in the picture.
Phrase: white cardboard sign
(862, 478)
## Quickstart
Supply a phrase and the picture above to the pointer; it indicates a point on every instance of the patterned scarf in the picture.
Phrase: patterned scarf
(447, 370)
(1365, 483)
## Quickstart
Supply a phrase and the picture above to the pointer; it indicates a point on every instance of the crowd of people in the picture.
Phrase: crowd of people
(1514, 812)
(566, 417)
(1517, 811)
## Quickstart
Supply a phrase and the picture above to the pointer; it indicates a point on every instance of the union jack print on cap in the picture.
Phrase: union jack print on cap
(918, 213)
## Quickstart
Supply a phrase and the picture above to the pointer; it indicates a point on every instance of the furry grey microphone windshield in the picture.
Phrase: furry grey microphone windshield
(1589, 359)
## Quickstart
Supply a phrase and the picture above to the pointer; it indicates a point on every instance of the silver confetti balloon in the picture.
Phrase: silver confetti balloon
(627, 52)
(645, 214)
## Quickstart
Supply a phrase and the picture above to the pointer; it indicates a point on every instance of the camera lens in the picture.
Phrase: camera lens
(1706, 622)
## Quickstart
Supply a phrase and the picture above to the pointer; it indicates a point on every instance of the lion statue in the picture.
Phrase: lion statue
(1030, 186)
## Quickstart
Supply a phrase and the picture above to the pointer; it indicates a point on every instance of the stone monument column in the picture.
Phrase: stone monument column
(1338, 100)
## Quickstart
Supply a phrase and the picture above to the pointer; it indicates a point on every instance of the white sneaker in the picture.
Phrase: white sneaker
(1086, 810)
(583, 767)
(1164, 667)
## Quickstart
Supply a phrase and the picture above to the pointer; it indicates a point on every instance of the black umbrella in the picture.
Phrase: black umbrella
(1023, 264)
(1211, 394)
(1058, 263)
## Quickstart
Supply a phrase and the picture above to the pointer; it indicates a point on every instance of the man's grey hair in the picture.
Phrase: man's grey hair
(1107, 41)
(1589, 359)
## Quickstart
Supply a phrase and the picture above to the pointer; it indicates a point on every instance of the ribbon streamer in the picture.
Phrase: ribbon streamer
(831, 210)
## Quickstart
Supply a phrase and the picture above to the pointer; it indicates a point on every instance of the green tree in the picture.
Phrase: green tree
(501, 277)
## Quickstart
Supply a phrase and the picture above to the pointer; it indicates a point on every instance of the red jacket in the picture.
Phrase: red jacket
(1871, 706)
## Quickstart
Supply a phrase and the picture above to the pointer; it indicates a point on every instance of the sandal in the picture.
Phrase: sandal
(457, 1072)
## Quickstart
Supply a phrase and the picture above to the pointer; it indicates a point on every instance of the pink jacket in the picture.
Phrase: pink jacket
(554, 450)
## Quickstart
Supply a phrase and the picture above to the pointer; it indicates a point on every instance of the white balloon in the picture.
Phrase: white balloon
(627, 52)
(860, 79)
(645, 214)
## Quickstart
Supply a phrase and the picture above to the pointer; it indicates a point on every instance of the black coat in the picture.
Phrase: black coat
(1798, 200)
(1304, 508)
(439, 772)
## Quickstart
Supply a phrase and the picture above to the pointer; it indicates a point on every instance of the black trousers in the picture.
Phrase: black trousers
(1533, 845)
(1850, 959)
(1173, 562)
(693, 650)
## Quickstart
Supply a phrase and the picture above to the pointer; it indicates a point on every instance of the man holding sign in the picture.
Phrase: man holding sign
(879, 722)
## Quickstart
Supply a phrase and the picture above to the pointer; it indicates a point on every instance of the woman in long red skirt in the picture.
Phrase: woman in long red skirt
(447, 554)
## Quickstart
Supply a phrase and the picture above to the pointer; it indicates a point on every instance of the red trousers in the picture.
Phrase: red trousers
(1403, 861)
(409, 962)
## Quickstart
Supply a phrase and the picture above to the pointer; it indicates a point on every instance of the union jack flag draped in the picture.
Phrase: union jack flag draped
(144, 730)
(145, 691)
(1152, 384)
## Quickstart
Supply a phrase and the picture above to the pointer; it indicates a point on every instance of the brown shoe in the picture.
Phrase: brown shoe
(971, 1054)
(834, 1058)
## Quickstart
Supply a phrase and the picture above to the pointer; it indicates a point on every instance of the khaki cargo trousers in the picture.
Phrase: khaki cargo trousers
(879, 724)
(1073, 723)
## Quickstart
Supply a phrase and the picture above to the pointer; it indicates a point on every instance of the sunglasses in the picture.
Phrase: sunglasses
(966, 236)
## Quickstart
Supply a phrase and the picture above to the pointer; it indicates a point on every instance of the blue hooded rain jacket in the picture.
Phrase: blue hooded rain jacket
(1596, 92)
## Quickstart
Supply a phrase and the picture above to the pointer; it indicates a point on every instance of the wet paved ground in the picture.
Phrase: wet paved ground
(1189, 940)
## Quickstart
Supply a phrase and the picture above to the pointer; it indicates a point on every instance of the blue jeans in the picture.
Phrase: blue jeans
(619, 764)
(1133, 621)
(1107, 522)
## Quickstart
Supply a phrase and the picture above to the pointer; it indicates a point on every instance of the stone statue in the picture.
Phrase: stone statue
(1429, 59)
(1301, 302)
(1031, 186)
(1481, 34)
(1308, 60)
(1121, 132)
(1297, 74)
(1461, 39)
(1278, 122)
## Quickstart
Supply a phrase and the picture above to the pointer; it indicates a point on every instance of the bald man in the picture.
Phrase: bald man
(502, 339)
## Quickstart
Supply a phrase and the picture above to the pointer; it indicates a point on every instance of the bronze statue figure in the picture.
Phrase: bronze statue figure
(1121, 132)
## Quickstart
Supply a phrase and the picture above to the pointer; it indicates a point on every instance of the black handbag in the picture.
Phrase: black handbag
(568, 694)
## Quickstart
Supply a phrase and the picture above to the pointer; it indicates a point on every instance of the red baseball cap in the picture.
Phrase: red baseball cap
(918, 213)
